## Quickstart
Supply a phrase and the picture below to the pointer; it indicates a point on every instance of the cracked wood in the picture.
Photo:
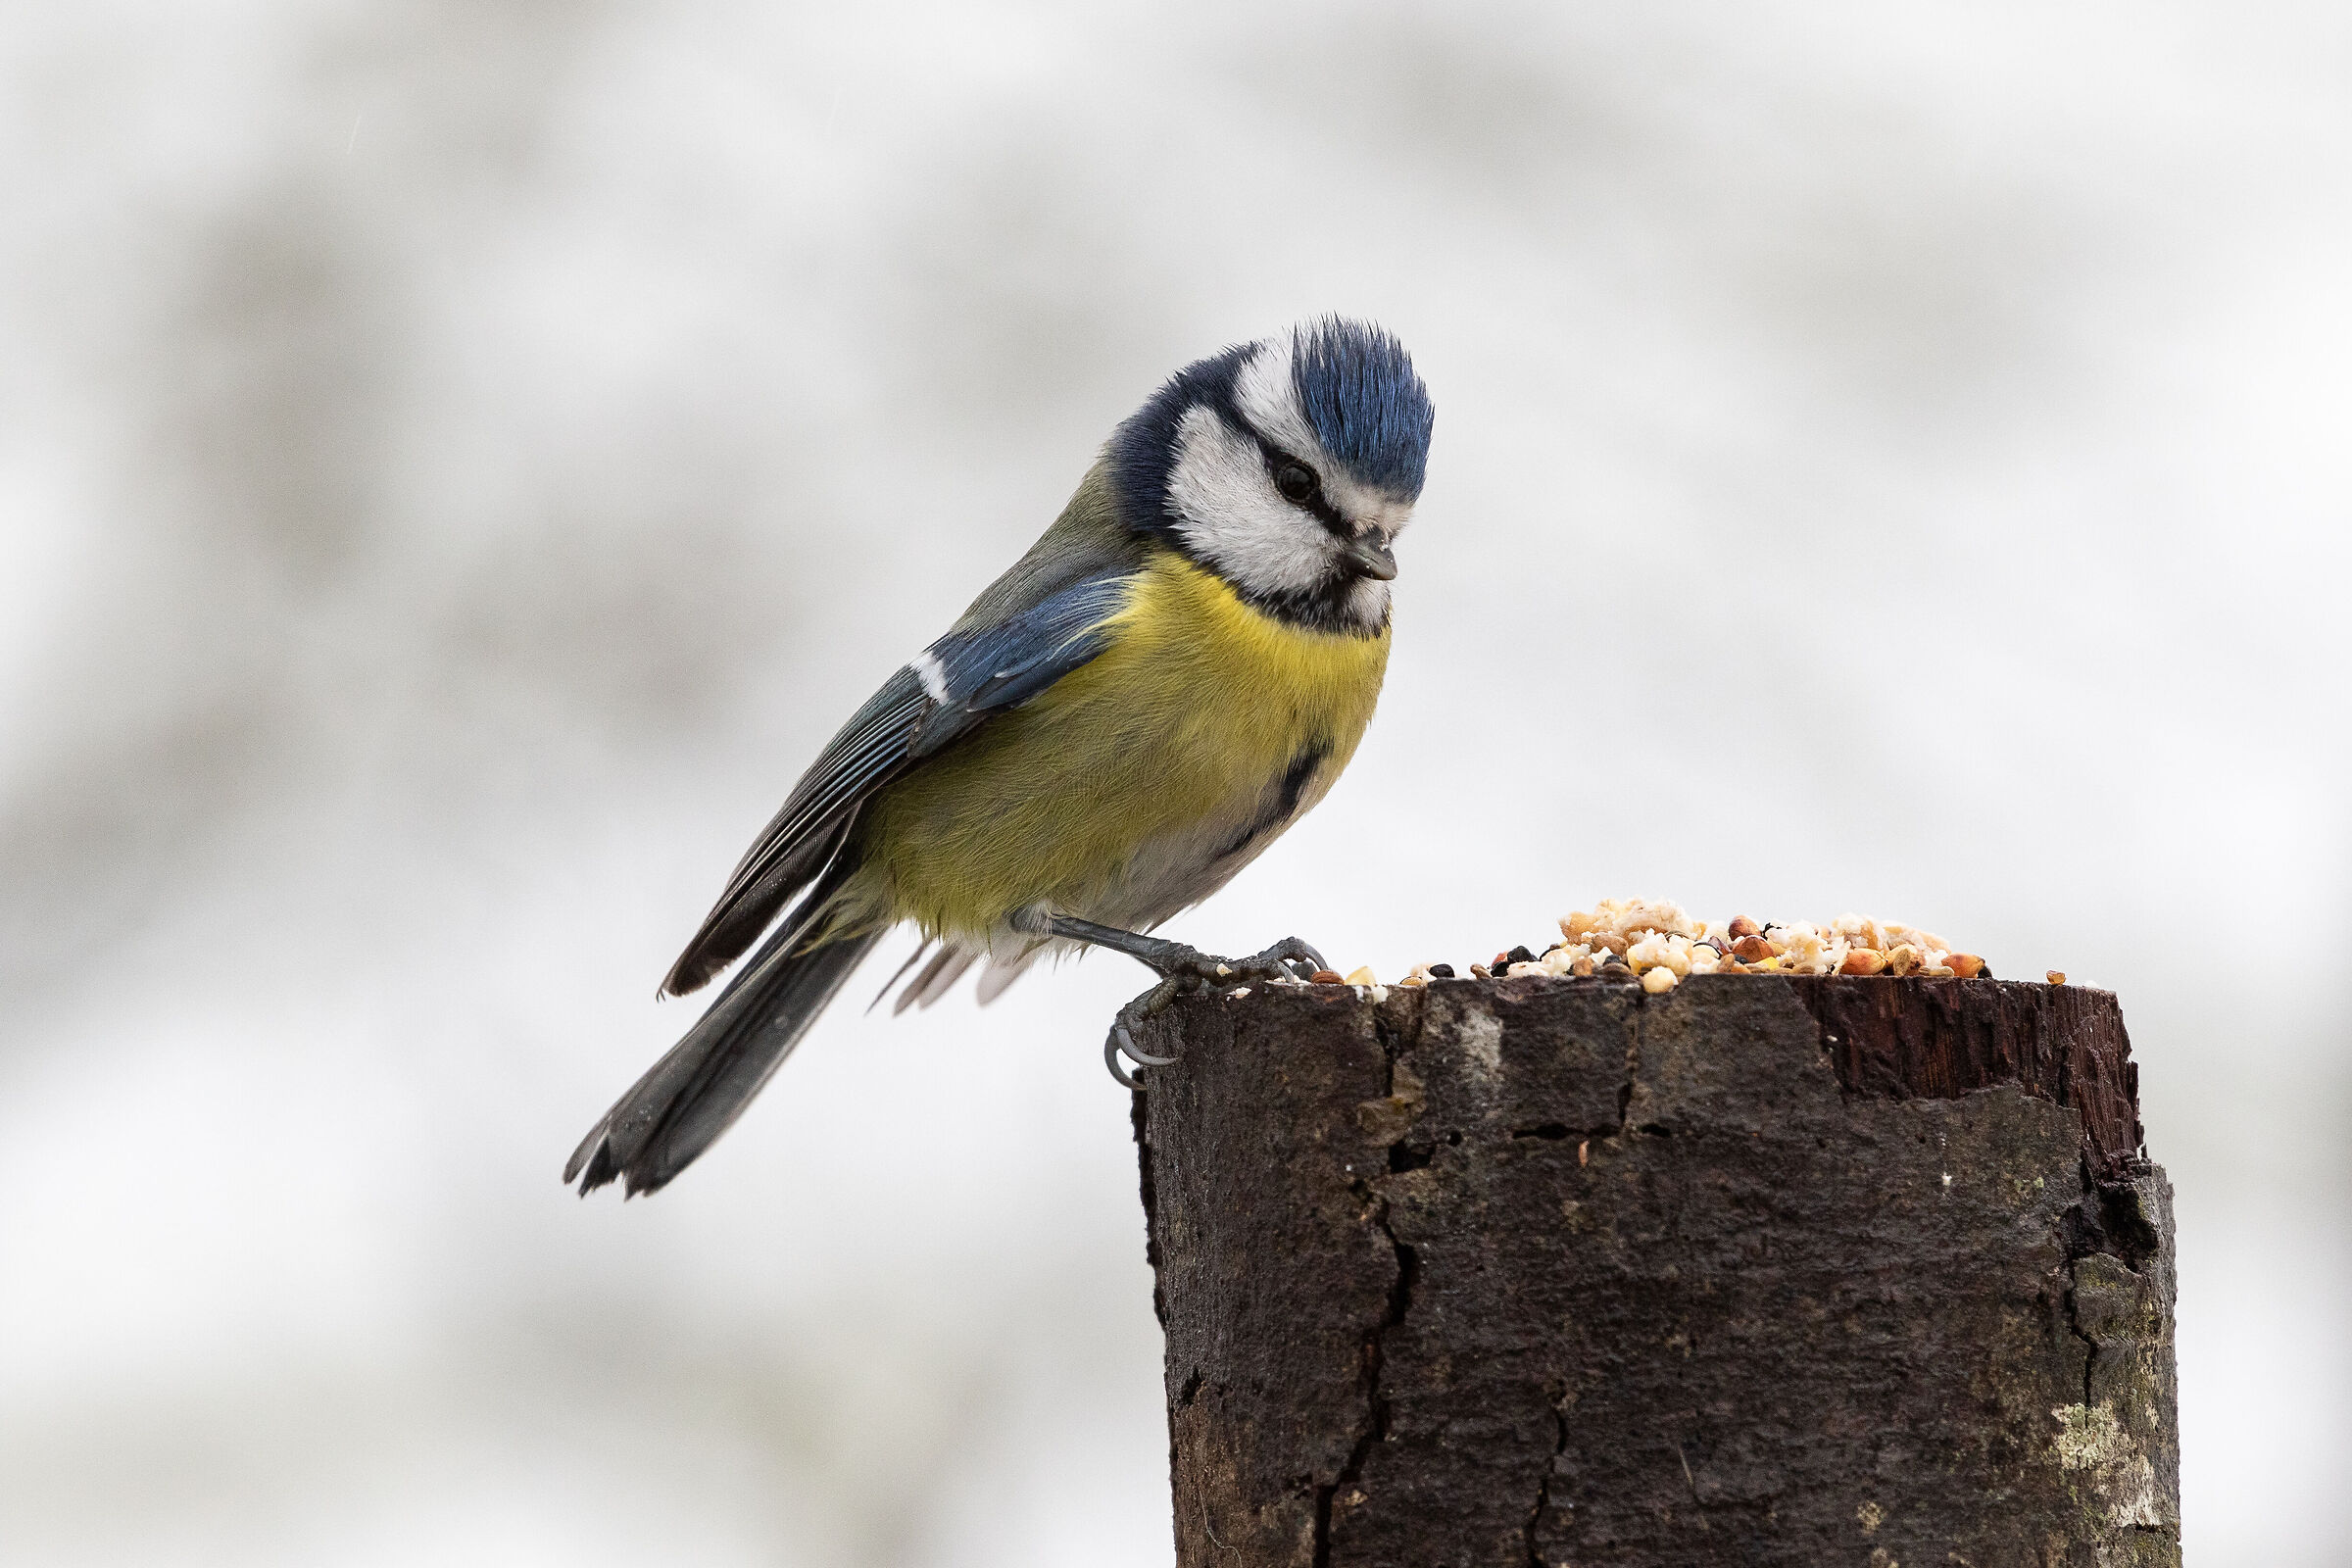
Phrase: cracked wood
(1760, 1271)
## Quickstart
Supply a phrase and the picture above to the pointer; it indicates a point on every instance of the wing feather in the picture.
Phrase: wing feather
(976, 671)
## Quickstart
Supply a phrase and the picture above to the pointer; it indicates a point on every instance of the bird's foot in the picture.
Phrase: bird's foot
(1183, 970)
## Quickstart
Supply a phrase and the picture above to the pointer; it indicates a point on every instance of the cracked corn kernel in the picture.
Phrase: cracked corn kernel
(1564, 958)
(1804, 950)
(1362, 976)
(1656, 952)
(2056, 977)
(1862, 960)
(1859, 931)
(1967, 966)
(1658, 981)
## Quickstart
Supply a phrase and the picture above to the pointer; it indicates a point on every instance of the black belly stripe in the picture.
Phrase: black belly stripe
(1294, 785)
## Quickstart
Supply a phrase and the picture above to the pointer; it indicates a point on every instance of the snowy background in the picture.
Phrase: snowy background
(459, 461)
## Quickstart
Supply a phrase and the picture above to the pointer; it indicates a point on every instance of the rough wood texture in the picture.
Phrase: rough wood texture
(1762, 1271)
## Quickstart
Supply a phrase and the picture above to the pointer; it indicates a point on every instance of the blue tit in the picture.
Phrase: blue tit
(1169, 678)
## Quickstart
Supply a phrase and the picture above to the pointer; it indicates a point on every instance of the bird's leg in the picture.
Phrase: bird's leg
(1181, 970)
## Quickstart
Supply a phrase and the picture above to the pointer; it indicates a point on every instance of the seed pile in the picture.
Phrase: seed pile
(1653, 942)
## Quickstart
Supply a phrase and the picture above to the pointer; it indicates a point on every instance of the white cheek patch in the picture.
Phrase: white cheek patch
(1234, 518)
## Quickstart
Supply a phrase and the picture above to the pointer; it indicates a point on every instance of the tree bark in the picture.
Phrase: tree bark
(1764, 1270)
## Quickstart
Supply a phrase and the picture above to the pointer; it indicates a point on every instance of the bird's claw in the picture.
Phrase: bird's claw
(1131, 1017)
(1286, 959)
(1121, 1043)
(1183, 970)
(1130, 1050)
(1111, 1060)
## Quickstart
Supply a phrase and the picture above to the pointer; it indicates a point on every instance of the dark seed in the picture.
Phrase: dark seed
(1441, 971)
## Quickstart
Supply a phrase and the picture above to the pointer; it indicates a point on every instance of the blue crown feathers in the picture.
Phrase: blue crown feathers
(1367, 405)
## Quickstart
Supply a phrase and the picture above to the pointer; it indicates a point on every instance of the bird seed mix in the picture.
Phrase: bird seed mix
(1654, 943)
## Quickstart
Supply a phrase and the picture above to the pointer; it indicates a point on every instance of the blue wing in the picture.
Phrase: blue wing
(950, 690)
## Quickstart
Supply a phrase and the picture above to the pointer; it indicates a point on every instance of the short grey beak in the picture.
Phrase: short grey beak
(1370, 556)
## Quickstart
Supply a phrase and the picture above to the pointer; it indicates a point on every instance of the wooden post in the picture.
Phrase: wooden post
(1763, 1270)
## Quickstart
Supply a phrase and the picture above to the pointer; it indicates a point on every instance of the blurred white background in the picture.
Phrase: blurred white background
(457, 462)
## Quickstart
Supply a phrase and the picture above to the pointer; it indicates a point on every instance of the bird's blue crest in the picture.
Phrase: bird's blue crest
(1366, 403)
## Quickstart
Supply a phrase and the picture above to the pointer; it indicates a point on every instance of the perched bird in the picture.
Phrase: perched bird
(1171, 677)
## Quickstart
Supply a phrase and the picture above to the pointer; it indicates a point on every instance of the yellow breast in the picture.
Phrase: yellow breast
(1197, 709)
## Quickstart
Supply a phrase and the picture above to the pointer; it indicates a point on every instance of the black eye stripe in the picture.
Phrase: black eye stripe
(1316, 500)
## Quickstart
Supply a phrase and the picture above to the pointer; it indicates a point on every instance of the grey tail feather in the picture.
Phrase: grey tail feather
(695, 1092)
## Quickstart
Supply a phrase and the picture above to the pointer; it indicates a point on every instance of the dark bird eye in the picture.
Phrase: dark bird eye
(1297, 482)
